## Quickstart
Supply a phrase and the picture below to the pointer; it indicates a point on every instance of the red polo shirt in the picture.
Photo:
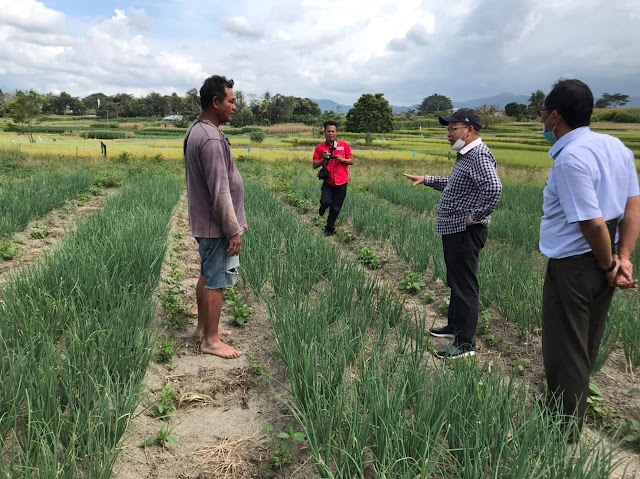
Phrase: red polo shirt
(338, 171)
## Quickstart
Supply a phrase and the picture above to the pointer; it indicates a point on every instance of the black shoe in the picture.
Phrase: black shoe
(328, 232)
(321, 211)
(456, 350)
(444, 332)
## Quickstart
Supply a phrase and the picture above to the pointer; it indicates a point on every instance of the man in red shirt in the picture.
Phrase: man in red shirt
(335, 156)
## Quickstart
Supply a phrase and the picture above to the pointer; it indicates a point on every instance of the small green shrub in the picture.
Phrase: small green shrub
(162, 438)
(444, 307)
(236, 306)
(521, 365)
(39, 232)
(484, 325)
(165, 350)
(7, 250)
(369, 258)
(344, 235)
(429, 296)
(165, 406)
(281, 445)
(411, 283)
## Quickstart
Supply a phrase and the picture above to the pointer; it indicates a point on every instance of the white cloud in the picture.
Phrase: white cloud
(241, 27)
(32, 16)
(332, 49)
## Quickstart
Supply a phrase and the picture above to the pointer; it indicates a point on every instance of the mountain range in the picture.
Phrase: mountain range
(498, 100)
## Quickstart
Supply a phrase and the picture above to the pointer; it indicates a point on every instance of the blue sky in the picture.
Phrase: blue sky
(406, 49)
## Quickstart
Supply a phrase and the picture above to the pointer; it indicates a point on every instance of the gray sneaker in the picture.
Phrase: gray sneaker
(444, 332)
(454, 351)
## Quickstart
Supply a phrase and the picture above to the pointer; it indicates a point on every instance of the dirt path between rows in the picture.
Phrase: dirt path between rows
(43, 234)
(222, 404)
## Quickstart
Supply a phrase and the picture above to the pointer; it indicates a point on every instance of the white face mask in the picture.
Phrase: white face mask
(457, 145)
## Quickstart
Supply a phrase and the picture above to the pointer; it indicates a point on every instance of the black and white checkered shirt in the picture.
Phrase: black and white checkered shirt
(471, 190)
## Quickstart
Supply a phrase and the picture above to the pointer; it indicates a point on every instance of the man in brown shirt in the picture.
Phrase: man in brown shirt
(215, 193)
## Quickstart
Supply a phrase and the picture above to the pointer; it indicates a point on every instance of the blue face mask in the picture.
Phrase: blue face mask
(549, 135)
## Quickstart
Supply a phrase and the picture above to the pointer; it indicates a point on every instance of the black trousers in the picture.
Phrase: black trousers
(575, 303)
(461, 256)
(332, 198)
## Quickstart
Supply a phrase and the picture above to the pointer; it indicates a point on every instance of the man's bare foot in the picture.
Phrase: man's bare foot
(197, 334)
(218, 348)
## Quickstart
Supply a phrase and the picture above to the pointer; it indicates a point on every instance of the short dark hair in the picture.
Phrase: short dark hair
(574, 101)
(330, 123)
(214, 86)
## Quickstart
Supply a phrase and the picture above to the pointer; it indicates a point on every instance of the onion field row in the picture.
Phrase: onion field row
(75, 338)
(371, 400)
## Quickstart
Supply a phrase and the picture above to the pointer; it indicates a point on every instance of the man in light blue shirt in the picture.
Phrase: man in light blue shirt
(591, 202)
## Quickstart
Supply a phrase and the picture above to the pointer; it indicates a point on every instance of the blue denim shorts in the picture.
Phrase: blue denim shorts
(219, 269)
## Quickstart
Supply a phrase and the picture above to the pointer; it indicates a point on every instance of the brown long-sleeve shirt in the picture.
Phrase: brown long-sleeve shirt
(215, 190)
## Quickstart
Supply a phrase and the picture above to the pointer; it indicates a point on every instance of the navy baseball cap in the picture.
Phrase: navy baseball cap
(464, 115)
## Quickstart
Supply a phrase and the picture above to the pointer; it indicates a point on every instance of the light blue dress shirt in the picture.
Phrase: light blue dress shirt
(592, 177)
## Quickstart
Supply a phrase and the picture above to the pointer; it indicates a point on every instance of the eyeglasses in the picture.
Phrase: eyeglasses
(451, 128)
(543, 109)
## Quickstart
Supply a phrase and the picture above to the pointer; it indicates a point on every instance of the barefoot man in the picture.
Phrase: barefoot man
(216, 209)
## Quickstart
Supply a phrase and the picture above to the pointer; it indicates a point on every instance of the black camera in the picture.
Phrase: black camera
(330, 157)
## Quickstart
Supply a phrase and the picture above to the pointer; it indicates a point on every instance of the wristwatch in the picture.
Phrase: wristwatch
(611, 268)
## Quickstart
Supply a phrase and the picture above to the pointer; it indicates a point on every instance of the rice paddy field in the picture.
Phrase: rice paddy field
(101, 378)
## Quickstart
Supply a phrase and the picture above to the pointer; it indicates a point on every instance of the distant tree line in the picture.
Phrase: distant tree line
(530, 111)
(267, 109)
(370, 114)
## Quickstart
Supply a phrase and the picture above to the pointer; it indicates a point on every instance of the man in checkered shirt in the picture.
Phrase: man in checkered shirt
(469, 195)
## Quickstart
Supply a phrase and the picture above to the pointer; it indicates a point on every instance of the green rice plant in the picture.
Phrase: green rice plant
(23, 200)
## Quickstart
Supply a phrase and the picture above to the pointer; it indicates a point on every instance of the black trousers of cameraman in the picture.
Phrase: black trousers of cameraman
(332, 198)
